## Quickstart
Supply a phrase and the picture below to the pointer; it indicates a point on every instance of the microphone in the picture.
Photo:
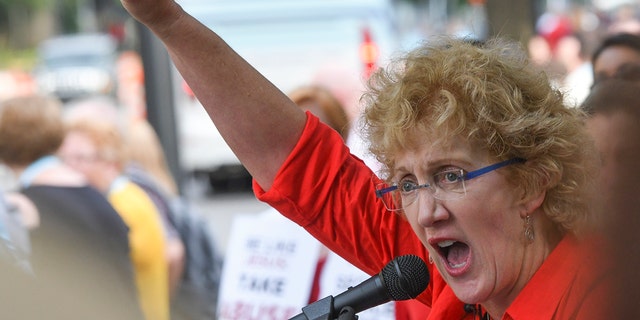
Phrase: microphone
(405, 277)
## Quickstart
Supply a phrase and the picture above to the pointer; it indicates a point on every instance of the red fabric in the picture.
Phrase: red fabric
(571, 284)
(329, 192)
(411, 310)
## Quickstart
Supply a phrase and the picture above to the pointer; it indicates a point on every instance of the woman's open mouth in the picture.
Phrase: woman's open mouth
(456, 256)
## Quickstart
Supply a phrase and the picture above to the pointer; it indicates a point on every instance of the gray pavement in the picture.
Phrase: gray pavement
(220, 208)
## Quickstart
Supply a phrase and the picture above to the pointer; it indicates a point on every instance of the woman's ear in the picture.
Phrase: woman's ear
(530, 202)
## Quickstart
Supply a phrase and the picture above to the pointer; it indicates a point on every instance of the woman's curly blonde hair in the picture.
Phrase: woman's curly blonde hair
(489, 94)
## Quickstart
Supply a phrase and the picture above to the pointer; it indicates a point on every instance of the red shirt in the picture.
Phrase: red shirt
(328, 191)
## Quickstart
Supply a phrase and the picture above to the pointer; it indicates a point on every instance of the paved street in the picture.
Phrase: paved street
(220, 208)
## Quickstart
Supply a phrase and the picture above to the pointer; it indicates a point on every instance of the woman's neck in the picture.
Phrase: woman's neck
(547, 237)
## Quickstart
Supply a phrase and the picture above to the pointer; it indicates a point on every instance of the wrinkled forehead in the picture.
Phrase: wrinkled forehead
(427, 152)
(437, 137)
(437, 149)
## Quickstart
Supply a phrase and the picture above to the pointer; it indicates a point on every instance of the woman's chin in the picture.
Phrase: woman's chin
(467, 292)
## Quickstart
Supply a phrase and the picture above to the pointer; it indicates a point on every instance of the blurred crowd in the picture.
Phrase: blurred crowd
(94, 208)
(565, 41)
(95, 219)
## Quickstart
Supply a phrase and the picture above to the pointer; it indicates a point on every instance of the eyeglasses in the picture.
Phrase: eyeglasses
(445, 185)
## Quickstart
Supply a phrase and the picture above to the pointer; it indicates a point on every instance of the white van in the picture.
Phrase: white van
(77, 65)
(291, 43)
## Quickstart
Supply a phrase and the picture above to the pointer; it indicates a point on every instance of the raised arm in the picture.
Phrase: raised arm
(258, 121)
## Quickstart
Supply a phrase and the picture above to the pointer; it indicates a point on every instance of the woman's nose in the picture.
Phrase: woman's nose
(429, 209)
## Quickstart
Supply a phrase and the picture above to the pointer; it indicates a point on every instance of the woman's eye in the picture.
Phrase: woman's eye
(406, 186)
(449, 176)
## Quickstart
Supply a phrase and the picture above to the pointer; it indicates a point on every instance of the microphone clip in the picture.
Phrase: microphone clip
(319, 310)
(347, 313)
(324, 308)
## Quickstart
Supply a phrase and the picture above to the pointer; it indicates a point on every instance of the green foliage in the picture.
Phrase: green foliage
(67, 15)
(18, 59)
(29, 4)
(415, 2)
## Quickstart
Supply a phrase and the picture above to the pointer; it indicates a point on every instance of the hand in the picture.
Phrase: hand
(152, 12)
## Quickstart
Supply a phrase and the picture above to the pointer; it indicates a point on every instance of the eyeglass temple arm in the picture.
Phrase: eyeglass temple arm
(479, 172)
(383, 191)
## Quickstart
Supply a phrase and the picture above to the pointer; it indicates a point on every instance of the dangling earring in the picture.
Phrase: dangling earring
(430, 259)
(529, 234)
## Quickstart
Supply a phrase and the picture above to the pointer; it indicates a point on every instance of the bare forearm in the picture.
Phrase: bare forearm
(260, 124)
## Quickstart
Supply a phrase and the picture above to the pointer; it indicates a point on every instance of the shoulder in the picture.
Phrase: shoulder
(61, 175)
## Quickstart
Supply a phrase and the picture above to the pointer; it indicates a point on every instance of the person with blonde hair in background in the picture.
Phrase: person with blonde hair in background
(151, 157)
(145, 166)
(322, 103)
(95, 148)
(194, 260)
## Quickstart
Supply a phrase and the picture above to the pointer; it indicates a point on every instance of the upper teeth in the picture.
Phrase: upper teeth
(445, 243)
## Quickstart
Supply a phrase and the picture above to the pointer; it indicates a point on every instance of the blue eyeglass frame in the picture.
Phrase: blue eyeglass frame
(468, 176)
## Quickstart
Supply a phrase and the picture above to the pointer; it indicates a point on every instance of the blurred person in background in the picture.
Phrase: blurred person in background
(347, 89)
(572, 54)
(131, 94)
(321, 102)
(539, 51)
(540, 54)
(195, 261)
(95, 147)
(193, 257)
(625, 19)
(614, 51)
(28, 213)
(79, 244)
(614, 116)
(14, 238)
(145, 153)
(16, 83)
(614, 122)
(146, 167)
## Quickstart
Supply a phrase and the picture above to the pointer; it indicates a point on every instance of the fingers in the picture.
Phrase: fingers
(153, 13)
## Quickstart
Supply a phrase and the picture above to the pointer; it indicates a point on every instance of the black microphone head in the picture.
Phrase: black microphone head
(405, 277)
